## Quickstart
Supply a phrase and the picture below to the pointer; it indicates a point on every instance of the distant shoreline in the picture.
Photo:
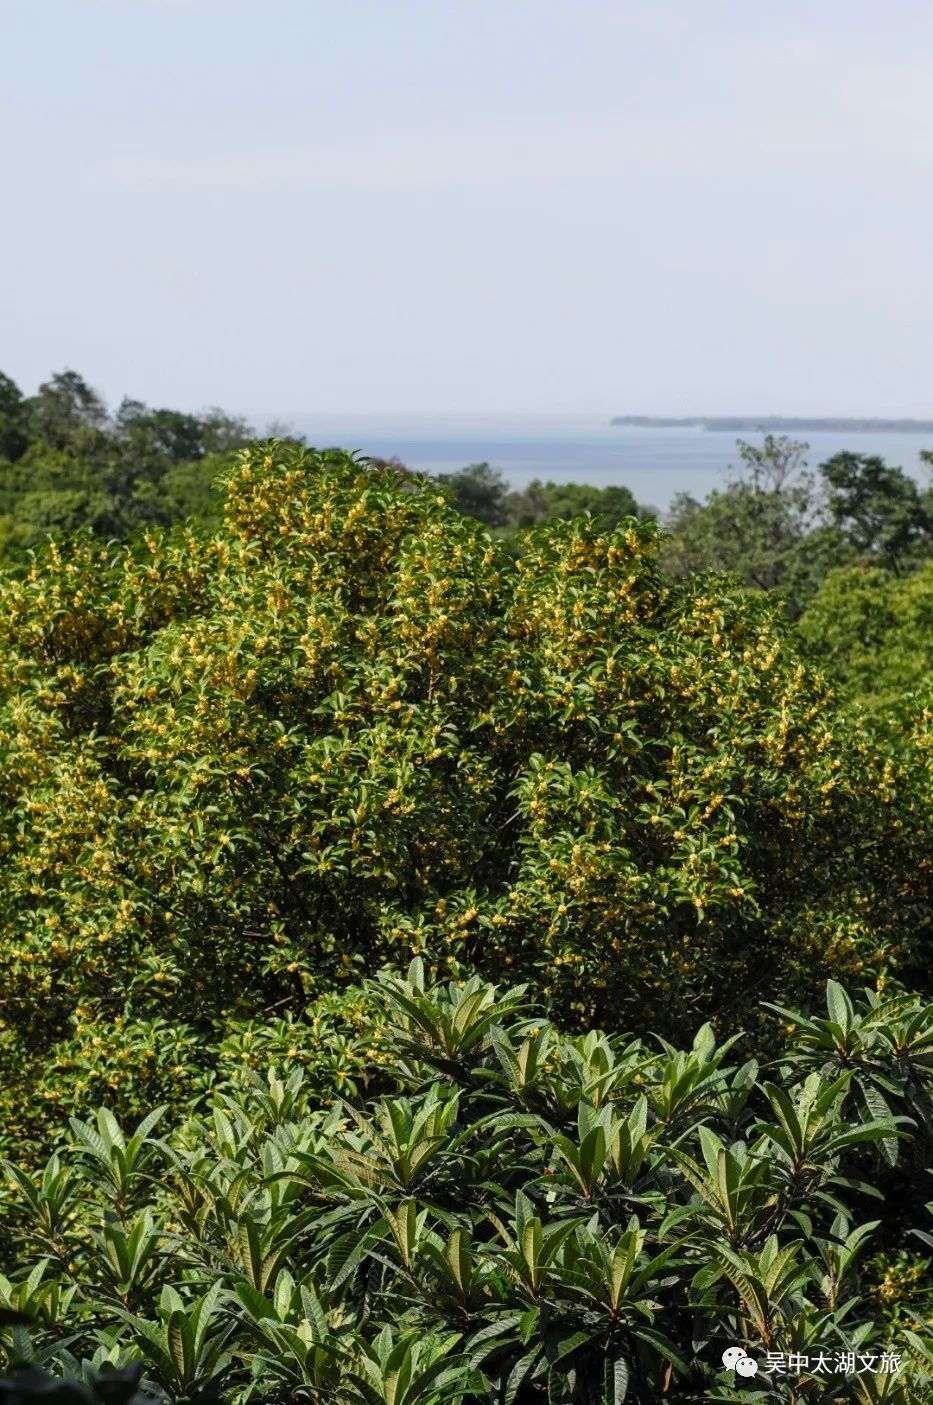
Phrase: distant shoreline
(775, 423)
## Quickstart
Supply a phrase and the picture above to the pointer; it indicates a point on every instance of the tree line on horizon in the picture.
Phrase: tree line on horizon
(67, 464)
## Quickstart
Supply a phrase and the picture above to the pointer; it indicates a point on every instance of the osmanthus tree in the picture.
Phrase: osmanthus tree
(524, 1216)
(240, 769)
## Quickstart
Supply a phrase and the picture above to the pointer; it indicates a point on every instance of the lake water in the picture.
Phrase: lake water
(655, 464)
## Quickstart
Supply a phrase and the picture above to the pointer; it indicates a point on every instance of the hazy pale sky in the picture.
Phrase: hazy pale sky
(590, 206)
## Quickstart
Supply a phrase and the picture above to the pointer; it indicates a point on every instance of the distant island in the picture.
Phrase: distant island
(776, 424)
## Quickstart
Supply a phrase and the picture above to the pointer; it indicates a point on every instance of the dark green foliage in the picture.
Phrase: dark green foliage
(66, 466)
(66, 411)
(879, 511)
(545, 502)
(526, 1216)
(477, 491)
(159, 434)
(481, 492)
(14, 432)
(32, 1385)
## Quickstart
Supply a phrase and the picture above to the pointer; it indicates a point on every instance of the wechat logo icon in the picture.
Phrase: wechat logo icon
(735, 1358)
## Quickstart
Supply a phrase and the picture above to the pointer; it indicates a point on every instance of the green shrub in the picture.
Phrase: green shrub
(589, 1219)
(873, 630)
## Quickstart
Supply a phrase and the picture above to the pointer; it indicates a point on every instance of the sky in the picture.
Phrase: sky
(372, 207)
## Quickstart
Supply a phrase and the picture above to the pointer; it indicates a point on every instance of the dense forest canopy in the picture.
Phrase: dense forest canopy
(346, 725)
(275, 719)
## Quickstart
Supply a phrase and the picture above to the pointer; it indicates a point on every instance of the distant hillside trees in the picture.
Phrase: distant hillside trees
(482, 492)
(778, 527)
(67, 464)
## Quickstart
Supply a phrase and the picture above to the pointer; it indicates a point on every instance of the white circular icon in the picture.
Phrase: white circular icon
(734, 1358)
